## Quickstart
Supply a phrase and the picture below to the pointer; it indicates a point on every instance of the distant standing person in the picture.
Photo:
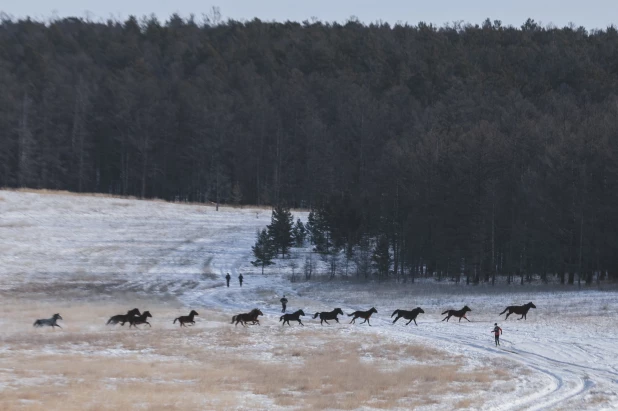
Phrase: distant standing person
(227, 279)
(497, 331)
(284, 303)
(240, 279)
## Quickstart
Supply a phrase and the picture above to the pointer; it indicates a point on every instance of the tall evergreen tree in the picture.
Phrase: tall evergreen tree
(382, 257)
(318, 230)
(263, 250)
(280, 230)
(299, 232)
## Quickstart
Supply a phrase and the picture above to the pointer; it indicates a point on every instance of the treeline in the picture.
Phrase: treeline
(483, 150)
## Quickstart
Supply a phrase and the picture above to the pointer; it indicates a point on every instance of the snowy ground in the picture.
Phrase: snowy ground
(84, 255)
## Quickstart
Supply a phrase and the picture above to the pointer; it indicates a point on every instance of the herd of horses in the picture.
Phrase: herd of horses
(134, 317)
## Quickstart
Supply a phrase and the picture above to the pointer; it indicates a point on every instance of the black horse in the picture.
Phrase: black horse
(331, 315)
(518, 309)
(51, 322)
(251, 316)
(294, 316)
(123, 318)
(134, 321)
(457, 313)
(408, 315)
(186, 319)
(363, 314)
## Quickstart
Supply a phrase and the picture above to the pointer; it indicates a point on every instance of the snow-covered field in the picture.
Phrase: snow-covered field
(91, 257)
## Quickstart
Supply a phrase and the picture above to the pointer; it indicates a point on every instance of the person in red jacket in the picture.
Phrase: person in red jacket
(497, 331)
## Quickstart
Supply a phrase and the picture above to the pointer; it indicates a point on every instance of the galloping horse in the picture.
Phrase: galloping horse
(457, 313)
(134, 321)
(294, 316)
(518, 309)
(331, 315)
(123, 318)
(48, 321)
(186, 319)
(251, 316)
(363, 314)
(408, 315)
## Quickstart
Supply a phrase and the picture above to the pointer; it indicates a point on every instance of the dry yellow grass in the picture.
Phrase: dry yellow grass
(214, 365)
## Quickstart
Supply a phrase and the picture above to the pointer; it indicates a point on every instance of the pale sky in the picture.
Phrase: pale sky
(589, 13)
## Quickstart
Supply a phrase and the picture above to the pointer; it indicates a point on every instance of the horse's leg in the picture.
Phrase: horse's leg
(335, 320)
(368, 321)
(507, 316)
(409, 321)
(364, 321)
(395, 320)
(465, 318)
(415, 322)
(300, 322)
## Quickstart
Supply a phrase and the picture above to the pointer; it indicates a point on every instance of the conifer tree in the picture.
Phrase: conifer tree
(318, 230)
(263, 250)
(300, 232)
(382, 257)
(280, 230)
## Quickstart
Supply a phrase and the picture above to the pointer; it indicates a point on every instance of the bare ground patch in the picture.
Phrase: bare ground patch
(214, 365)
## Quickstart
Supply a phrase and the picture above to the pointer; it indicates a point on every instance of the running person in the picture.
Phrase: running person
(227, 279)
(497, 331)
(284, 302)
(240, 279)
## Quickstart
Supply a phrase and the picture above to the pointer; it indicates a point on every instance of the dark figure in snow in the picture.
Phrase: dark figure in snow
(227, 279)
(284, 303)
(497, 331)
(240, 279)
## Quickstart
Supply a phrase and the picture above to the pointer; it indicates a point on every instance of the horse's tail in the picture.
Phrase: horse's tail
(505, 310)
(175, 319)
(110, 321)
(316, 315)
(445, 312)
(394, 312)
(349, 315)
(281, 319)
(36, 323)
(233, 319)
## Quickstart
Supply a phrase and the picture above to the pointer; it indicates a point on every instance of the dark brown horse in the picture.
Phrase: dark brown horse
(251, 316)
(186, 319)
(363, 314)
(141, 319)
(457, 313)
(331, 315)
(51, 322)
(408, 315)
(518, 309)
(294, 316)
(123, 318)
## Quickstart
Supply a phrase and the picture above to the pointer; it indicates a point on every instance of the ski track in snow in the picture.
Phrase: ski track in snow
(186, 251)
